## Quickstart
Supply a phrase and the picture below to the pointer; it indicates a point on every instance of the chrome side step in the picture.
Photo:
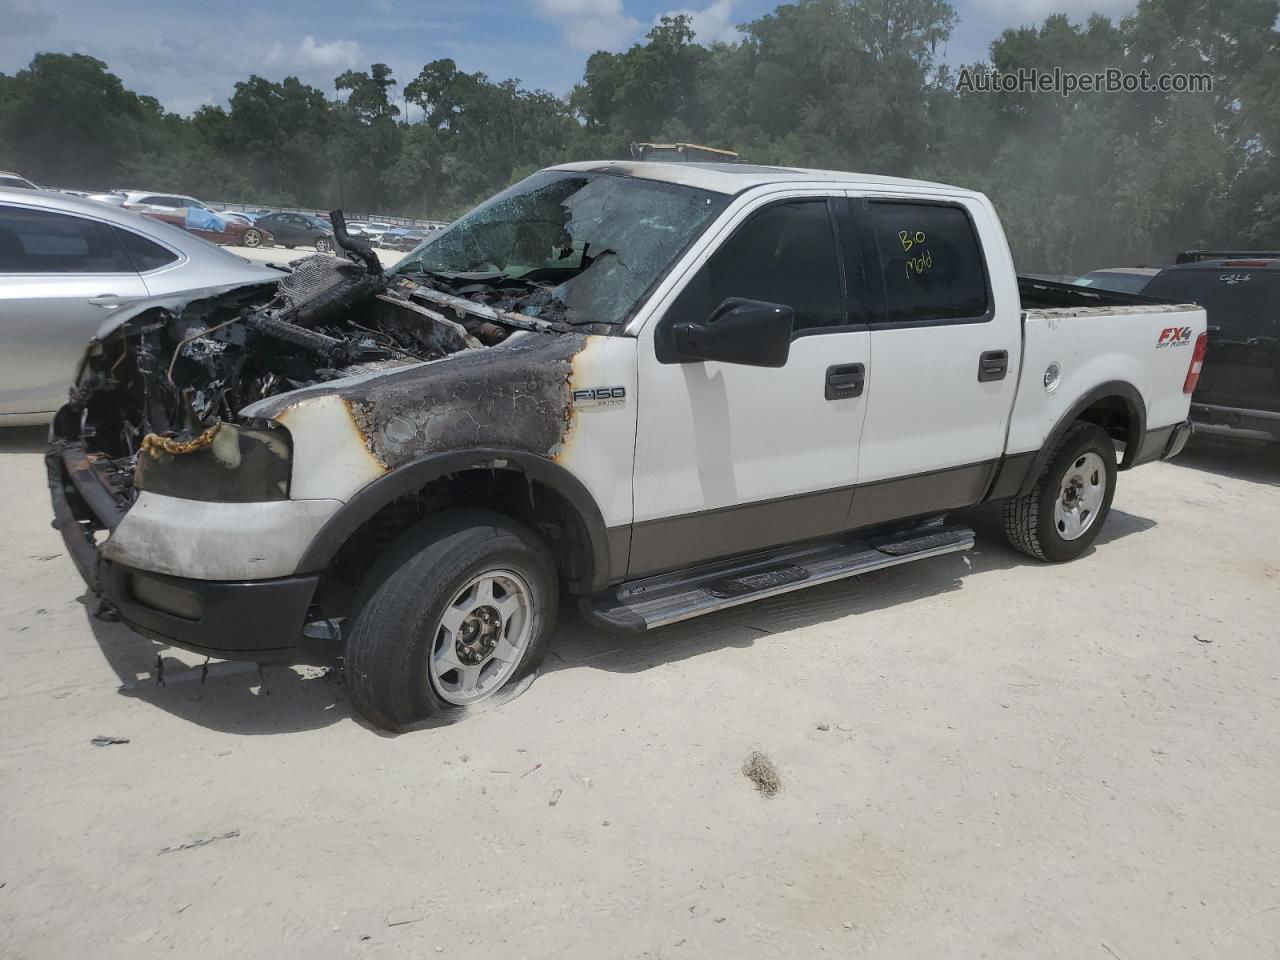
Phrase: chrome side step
(672, 597)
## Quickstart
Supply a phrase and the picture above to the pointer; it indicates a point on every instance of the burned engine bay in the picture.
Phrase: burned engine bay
(160, 398)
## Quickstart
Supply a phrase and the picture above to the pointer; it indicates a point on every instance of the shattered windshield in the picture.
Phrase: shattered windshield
(580, 247)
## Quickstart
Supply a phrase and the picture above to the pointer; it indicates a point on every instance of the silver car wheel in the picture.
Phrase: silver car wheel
(1084, 486)
(481, 637)
(323, 246)
(252, 238)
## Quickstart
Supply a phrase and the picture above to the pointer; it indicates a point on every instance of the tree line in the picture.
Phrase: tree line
(1089, 180)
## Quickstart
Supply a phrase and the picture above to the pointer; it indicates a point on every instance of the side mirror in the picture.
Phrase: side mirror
(751, 332)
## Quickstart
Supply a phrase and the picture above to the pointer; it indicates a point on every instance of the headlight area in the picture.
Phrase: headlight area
(226, 463)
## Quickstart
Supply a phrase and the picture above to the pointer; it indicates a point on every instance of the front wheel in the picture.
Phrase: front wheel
(323, 245)
(457, 612)
(1063, 514)
(252, 238)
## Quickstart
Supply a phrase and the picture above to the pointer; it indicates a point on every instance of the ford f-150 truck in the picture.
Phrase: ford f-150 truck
(661, 389)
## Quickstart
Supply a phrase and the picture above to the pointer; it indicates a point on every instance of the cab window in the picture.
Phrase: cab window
(783, 254)
(39, 241)
(931, 261)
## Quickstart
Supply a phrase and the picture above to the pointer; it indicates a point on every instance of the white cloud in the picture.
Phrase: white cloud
(1026, 11)
(712, 24)
(309, 56)
(24, 18)
(590, 25)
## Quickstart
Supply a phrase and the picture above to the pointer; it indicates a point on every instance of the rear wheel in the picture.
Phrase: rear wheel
(1063, 514)
(252, 238)
(457, 612)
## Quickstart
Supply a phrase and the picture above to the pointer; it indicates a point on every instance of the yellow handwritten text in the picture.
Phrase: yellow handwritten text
(923, 259)
(911, 238)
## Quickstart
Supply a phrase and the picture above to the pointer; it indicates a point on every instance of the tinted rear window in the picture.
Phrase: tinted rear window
(1239, 300)
(932, 263)
(39, 241)
(145, 254)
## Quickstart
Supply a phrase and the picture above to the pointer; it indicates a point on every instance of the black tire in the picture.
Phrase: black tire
(287, 246)
(1029, 521)
(323, 246)
(398, 611)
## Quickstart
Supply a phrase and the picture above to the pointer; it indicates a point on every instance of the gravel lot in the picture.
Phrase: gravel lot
(978, 758)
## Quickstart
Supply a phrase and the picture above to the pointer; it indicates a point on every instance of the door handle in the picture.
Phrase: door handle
(108, 301)
(993, 365)
(845, 380)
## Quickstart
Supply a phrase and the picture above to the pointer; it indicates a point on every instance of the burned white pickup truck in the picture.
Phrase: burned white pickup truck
(665, 389)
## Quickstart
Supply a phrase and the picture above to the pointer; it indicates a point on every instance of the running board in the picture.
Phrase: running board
(672, 597)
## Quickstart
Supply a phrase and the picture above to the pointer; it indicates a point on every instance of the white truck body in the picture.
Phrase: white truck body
(682, 463)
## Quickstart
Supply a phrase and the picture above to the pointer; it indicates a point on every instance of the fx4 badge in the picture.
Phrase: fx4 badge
(600, 397)
(1174, 337)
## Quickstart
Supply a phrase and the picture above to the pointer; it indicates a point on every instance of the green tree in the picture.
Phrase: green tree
(67, 119)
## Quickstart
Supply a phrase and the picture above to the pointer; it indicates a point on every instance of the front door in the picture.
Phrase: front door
(733, 458)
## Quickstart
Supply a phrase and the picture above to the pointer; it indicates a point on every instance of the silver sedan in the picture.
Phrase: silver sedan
(67, 264)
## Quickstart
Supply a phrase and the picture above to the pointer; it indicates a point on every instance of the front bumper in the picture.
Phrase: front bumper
(1236, 423)
(232, 619)
(258, 620)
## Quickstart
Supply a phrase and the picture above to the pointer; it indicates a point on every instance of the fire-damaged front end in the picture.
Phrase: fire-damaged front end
(176, 476)
(232, 463)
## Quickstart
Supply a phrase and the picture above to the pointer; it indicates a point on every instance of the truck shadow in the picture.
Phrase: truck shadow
(231, 697)
(1239, 461)
(23, 439)
(234, 698)
(580, 644)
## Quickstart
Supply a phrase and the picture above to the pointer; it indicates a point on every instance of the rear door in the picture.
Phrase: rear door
(944, 347)
(61, 276)
(280, 227)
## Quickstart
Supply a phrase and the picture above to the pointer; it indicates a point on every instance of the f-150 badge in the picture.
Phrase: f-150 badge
(600, 397)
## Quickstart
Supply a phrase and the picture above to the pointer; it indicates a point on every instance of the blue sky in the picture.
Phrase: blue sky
(187, 53)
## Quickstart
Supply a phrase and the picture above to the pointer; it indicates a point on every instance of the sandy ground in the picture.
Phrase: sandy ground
(992, 758)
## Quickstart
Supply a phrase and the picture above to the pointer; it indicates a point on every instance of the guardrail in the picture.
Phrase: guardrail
(313, 212)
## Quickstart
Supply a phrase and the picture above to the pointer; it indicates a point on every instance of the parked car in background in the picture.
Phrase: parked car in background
(1238, 396)
(1118, 279)
(161, 202)
(66, 266)
(374, 229)
(15, 181)
(298, 230)
(212, 227)
(401, 239)
(111, 199)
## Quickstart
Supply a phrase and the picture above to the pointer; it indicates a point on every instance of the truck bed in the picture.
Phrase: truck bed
(1076, 339)
(1046, 294)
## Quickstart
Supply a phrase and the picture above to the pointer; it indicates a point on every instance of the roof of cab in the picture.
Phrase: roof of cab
(732, 178)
